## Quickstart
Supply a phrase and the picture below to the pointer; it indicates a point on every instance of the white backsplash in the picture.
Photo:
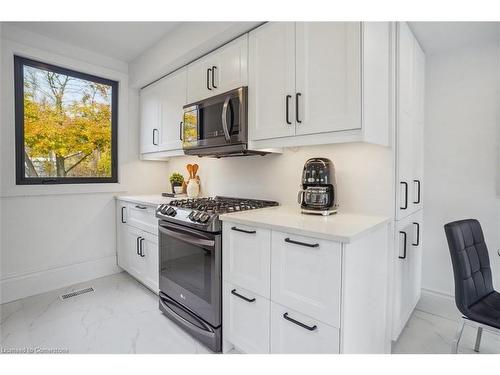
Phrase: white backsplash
(363, 172)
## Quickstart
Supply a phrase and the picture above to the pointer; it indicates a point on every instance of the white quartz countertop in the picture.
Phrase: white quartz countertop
(148, 200)
(341, 227)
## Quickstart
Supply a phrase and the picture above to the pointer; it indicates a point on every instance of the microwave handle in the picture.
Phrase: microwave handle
(224, 119)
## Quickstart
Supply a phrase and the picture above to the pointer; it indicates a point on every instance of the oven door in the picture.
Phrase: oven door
(217, 121)
(190, 269)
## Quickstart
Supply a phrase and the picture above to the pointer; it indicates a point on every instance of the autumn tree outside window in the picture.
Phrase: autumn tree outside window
(66, 125)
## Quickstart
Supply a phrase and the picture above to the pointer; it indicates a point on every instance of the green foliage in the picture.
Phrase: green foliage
(176, 178)
(67, 125)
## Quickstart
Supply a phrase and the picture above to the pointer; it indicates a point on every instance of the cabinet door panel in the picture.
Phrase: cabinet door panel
(173, 99)
(289, 337)
(307, 278)
(149, 259)
(136, 265)
(122, 240)
(231, 65)
(328, 76)
(406, 66)
(418, 129)
(246, 323)
(150, 112)
(198, 80)
(247, 257)
(271, 79)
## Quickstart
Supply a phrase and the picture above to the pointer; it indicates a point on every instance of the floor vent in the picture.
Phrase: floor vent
(76, 293)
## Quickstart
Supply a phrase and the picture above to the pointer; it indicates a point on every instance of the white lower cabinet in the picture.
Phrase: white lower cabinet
(137, 249)
(296, 333)
(247, 262)
(246, 319)
(306, 275)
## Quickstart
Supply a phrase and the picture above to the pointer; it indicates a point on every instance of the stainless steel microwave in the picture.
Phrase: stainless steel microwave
(217, 126)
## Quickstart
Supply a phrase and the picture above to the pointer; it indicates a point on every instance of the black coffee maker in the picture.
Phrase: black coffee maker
(319, 189)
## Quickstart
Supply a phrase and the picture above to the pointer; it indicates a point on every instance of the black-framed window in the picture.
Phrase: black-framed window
(66, 125)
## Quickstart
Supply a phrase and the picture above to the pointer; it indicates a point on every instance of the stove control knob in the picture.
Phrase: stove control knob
(204, 218)
(196, 216)
(191, 214)
(164, 209)
(174, 212)
(170, 211)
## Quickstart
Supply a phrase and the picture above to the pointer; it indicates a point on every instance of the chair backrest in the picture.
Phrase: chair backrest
(471, 263)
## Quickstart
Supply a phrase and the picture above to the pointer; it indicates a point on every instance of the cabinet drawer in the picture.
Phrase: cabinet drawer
(142, 217)
(246, 319)
(292, 332)
(247, 257)
(306, 275)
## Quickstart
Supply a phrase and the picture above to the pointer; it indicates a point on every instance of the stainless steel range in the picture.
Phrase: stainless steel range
(190, 262)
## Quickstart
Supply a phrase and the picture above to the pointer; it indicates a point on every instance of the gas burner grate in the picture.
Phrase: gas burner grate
(219, 205)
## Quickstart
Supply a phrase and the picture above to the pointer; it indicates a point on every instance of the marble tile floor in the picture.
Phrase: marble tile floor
(431, 334)
(122, 316)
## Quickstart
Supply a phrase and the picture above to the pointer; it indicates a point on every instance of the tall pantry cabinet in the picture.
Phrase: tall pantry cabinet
(408, 230)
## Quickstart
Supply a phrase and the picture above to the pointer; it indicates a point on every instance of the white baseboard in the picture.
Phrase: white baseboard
(17, 287)
(438, 303)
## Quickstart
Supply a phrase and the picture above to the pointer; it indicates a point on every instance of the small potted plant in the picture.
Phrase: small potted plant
(176, 180)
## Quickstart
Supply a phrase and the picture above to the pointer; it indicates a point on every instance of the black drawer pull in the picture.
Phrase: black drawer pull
(418, 194)
(141, 207)
(300, 324)
(404, 247)
(405, 184)
(418, 234)
(301, 243)
(123, 217)
(243, 230)
(233, 292)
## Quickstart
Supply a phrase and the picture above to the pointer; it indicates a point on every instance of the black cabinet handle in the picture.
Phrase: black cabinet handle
(418, 194)
(418, 234)
(297, 96)
(155, 131)
(287, 107)
(301, 243)
(208, 79)
(140, 207)
(233, 292)
(141, 248)
(213, 76)
(405, 184)
(300, 324)
(123, 217)
(404, 248)
(181, 128)
(137, 245)
(243, 230)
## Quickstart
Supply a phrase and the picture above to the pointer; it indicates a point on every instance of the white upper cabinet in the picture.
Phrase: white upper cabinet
(410, 123)
(174, 98)
(271, 93)
(150, 112)
(328, 77)
(305, 83)
(161, 114)
(220, 71)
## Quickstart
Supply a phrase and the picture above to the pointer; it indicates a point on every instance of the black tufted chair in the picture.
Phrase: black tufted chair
(474, 294)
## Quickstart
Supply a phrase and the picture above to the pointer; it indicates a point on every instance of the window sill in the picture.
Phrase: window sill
(62, 189)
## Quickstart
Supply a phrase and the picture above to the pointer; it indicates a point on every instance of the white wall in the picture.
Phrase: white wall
(363, 172)
(461, 154)
(52, 236)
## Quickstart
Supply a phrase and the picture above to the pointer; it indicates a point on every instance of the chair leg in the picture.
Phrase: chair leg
(478, 339)
(458, 336)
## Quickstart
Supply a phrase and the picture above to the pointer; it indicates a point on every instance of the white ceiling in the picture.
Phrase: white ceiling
(127, 40)
(121, 40)
(437, 37)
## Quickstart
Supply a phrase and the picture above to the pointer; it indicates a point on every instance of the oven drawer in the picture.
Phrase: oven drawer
(246, 319)
(142, 217)
(248, 258)
(307, 275)
(296, 333)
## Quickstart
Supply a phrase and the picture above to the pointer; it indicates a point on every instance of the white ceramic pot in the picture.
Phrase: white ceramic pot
(177, 189)
(193, 188)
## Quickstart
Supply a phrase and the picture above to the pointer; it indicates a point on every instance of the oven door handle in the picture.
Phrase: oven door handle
(186, 238)
(206, 332)
(224, 119)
